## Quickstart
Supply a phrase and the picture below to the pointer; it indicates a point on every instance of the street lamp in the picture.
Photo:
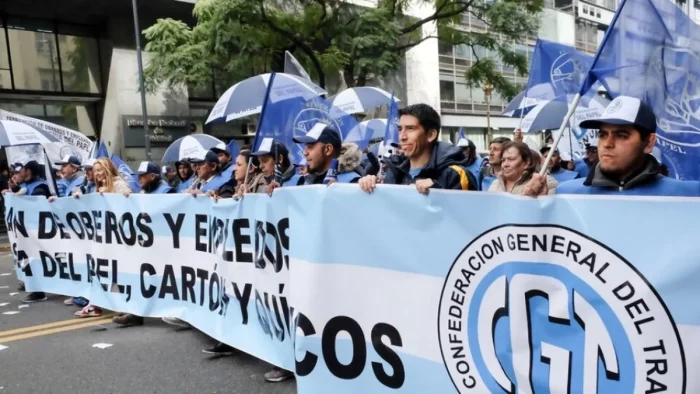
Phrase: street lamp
(488, 88)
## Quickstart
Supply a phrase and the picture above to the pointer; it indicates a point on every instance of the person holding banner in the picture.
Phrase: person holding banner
(89, 185)
(323, 150)
(555, 168)
(275, 156)
(225, 163)
(490, 172)
(186, 175)
(70, 175)
(427, 162)
(626, 166)
(518, 166)
(236, 187)
(208, 174)
(170, 176)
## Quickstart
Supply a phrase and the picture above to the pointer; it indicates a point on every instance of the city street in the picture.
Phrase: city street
(44, 349)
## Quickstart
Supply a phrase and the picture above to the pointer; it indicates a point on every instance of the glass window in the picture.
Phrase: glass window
(447, 91)
(80, 64)
(463, 51)
(78, 117)
(585, 9)
(444, 48)
(478, 95)
(5, 74)
(201, 92)
(34, 60)
(462, 93)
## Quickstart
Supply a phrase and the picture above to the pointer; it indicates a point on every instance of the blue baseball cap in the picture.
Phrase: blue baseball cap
(625, 110)
(72, 160)
(321, 132)
(221, 148)
(89, 164)
(17, 167)
(147, 167)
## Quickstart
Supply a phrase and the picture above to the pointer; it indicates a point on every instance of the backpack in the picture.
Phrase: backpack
(463, 177)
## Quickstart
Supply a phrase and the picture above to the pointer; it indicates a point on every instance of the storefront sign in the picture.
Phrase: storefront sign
(162, 130)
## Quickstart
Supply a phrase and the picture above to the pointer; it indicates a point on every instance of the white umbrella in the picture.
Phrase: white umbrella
(361, 99)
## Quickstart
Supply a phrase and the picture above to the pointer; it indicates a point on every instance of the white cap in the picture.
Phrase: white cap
(463, 143)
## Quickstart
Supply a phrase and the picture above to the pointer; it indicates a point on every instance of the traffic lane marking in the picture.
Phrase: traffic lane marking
(65, 325)
(83, 324)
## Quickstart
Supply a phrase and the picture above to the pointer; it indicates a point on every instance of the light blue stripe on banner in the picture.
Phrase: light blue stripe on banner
(421, 375)
(389, 230)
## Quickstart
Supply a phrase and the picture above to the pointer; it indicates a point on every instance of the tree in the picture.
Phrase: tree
(234, 39)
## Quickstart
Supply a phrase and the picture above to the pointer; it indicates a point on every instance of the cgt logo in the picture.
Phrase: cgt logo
(544, 309)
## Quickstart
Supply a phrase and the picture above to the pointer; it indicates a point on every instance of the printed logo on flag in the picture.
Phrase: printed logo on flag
(544, 309)
(565, 72)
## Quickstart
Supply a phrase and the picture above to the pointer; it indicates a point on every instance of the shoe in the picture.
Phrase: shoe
(277, 375)
(221, 349)
(81, 302)
(127, 320)
(68, 301)
(21, 287)
(34, 297)
(89, 311)
(173, 321)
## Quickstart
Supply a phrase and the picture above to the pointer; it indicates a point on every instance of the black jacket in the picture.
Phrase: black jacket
(442, 157)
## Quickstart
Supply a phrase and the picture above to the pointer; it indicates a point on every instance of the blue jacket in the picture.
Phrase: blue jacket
(442, 157)
(486, 182)
(66, 186)
(37, 187)
(214, 184)
(563, 175)
(158, 187)
(184, 185)
(649, 182)
(227, 171)
(582, 167)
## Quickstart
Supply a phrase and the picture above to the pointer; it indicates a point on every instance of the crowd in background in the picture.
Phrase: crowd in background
(621, 164)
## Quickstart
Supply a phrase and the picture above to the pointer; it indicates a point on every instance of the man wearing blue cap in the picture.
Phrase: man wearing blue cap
(208, 174)
(274, 157)
(186, 175)
(625, 165)
(70, 167)
(323, 150)
(225, 164)
(555, 169)
(170, 176)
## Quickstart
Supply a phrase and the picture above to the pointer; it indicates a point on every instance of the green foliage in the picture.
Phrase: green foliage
(234, 39)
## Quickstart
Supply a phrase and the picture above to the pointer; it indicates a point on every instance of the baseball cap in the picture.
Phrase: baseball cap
(34, 167)
(221, 148)
(147, 167)
(167, 169)
(547, 148)
(89, 163)
(321, 132)
(269, 146)
(208, 157)
(463, 143)
(17, 167)
(72, 160)
(625, 110)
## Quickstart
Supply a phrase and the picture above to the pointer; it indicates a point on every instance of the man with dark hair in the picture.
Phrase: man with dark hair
(272, 157)
(583, 167)
(555, 169)
(208, 175)
(473, 161)
(490, 172)
(626, 166)
(225, 160)
(427, 162)
(323, 144)
(186, 175)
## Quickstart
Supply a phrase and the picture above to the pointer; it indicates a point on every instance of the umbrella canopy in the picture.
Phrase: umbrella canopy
(190, 146)
(247, 97)
(520, 105)
(14, 133)
(362, 99)
(548, 115)
(376, 126)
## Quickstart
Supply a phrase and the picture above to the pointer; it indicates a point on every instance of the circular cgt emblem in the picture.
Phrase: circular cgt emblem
(544, 309)
(614, 106)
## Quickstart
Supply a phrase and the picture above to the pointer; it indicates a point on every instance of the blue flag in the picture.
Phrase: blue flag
(556, 71)
(126, 173)
(391, 135)
(461, 135)
(293, 111)
(652, 51)
(234, 149)
(101, 151)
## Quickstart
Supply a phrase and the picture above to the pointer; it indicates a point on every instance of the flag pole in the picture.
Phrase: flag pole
(257, 131)
(565, 121)
(137, 35)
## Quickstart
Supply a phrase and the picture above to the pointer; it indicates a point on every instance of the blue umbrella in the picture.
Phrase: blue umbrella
(190, 146)
(14, 133)
(548, 115)
(247, 97)
(362, 99)
(377, 126)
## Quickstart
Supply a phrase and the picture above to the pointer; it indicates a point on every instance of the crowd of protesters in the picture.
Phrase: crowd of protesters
(621, 163)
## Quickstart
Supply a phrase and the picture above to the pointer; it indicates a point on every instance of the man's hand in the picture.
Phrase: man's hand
(537, 186)
(211, 193)
(571, 165)
(127, 194)
(52, 198)
(368, 183)
(331, 181)
(423, 186)
(269, 189)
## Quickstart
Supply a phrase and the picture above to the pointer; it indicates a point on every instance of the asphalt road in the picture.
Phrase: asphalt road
(49, 351)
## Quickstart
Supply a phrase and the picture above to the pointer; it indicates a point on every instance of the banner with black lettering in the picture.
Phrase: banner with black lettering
(396, 291)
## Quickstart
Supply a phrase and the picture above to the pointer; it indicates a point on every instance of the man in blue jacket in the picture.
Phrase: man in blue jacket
(427, 163)
(625, 165)
(70, 168)
(323, 144)
(555, 168)
(208, 175)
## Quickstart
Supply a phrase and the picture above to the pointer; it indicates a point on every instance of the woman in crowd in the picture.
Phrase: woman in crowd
(517, 167)
(236, 187)
(107, 180)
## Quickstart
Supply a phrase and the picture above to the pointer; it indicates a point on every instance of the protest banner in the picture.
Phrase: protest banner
(395, 291)
(71, 142)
